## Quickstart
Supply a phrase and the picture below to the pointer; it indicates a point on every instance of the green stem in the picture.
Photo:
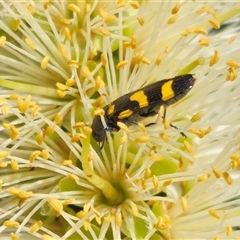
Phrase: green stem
(29, 88)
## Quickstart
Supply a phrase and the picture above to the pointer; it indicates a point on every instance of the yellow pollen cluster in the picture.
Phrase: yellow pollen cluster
(20, 193)
(56, 205)
(36, 226)
(235, 161)
(188, 31)
(163, 222)
(232, 73)
(200, 132)
(207, 9)
(215, 58)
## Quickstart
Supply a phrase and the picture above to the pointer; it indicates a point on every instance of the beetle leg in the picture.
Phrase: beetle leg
(173, 126)
(130, 121)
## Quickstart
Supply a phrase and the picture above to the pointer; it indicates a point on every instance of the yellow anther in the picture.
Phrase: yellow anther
(228, 230)
(81, 214)
(118, 219)
(142, 127)
(97, 103)
(165, 137)
(215, 58)
(159, 59)
(141, 20)
(45, 62)
(122, 64)
(11, 223)
(167, 49)
(231, 39)
(45, 153)
(87, 224)
(65, 21)
(36, 226)
(39, 138)
(77, 137)
(167, 182)
(93, 52)
(67, 33)
(231, 74)
(5, 110)
(122, 126)
(142, 139)
(14, 165)
(35, 110)
(78, 125)
(30, 43)
(50, 129)
(104, 32)
(74, 8)
(233, 64)
(145, 61)
(166, 123)
(47, 237)
(123, 139)
(147, 173)
(197, 116)
(63, 50)
(85, 71)
(227, 178)
(121, 3)
(200, 31)
(72, 176)
(14, 236)
(184, 204)
(87, 7)
(34, 155)
(68, 201)
(58, 118)
(203, 177)
(14, 130)
(46, 4)
(102, 13)
(216, 172)
(176, 8)
(172, 19)
(214, 23)
(3, 164)
(204, 42)
(66, 162)
(73, 63)
(99, 112)
(3, 40)
(134, 4)
(144, 184)
(134, 209)
(31, 9)
(55, 204)
(15, 24)
(104, 59)
(61, 86)
(6, 125)
(13, 96)
(214, 214)
(163, 222)
(188, 146)
(155, 182)
(107, 219)
(70, 82)
(99, 83)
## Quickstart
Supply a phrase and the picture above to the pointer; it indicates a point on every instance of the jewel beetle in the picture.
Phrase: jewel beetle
(145, 102)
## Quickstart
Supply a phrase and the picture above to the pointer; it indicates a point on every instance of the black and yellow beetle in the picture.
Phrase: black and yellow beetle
(145, 102)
